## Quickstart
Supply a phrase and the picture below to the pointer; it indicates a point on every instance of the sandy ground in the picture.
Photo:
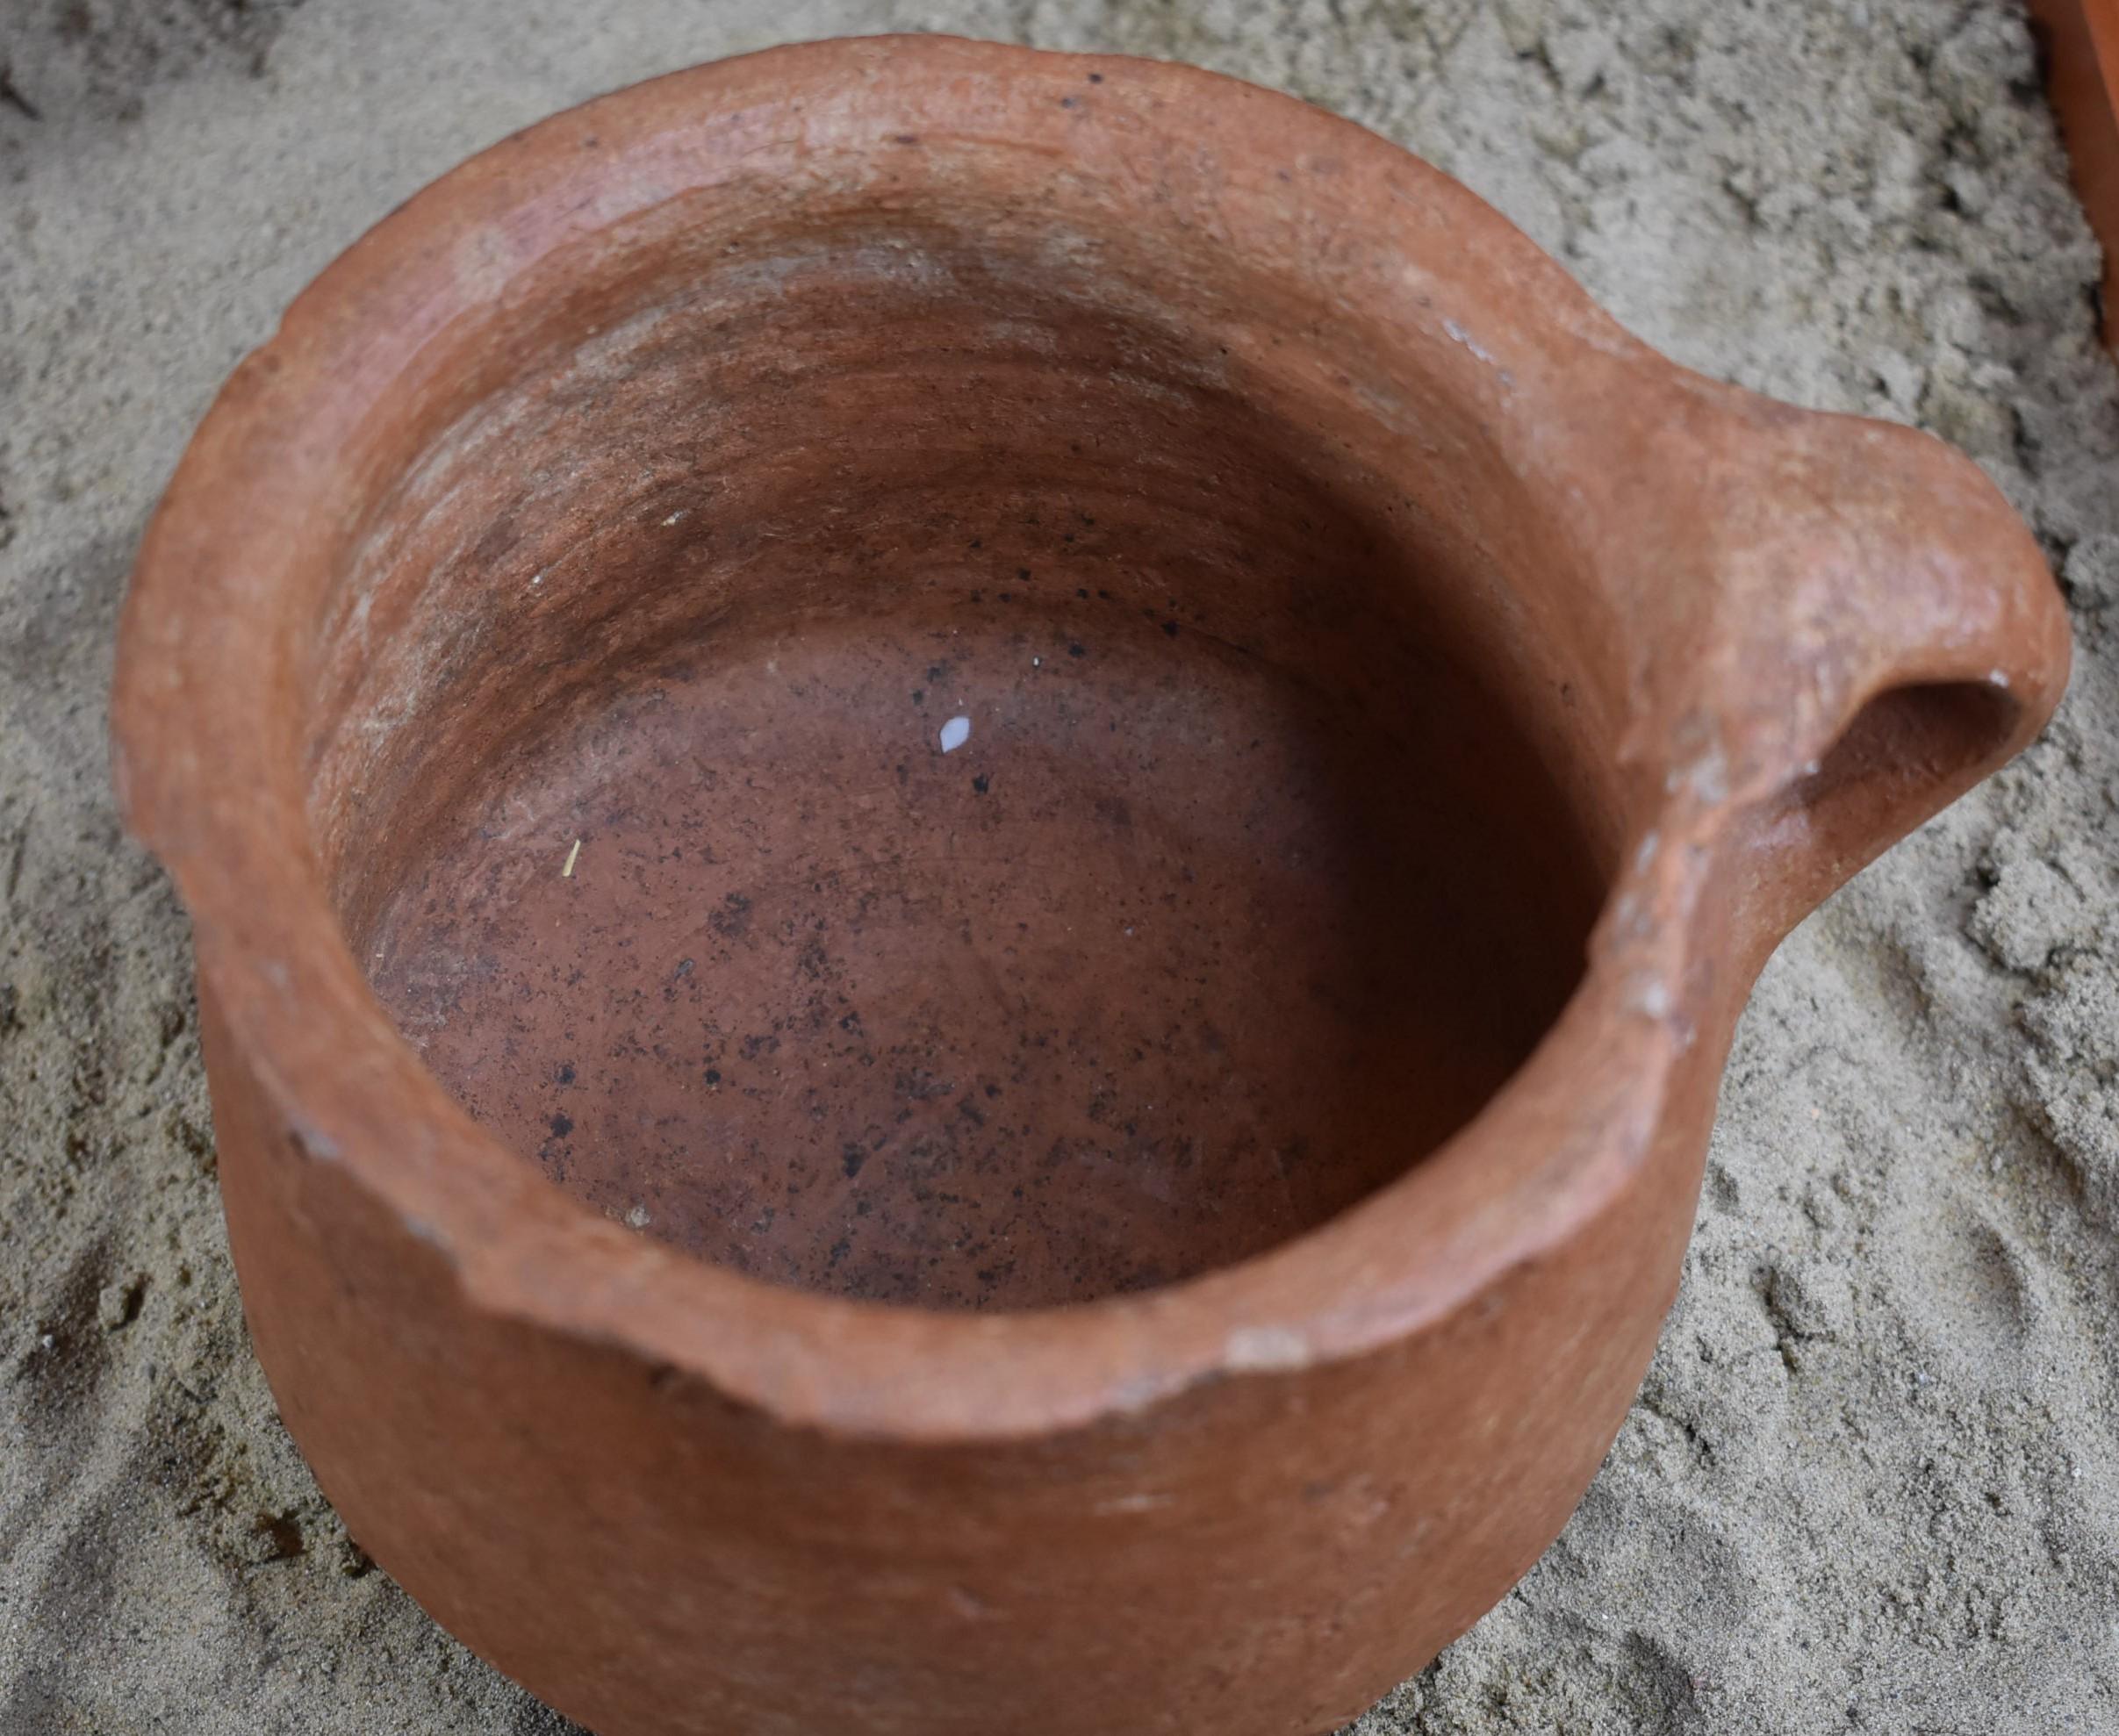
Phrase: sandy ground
(1873, 1481)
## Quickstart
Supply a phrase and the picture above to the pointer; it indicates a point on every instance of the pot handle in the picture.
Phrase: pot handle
(1841, 627)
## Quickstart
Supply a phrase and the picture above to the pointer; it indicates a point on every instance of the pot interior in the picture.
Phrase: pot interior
(940, 763)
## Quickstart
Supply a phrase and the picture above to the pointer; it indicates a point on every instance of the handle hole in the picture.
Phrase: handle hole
(1909, 750)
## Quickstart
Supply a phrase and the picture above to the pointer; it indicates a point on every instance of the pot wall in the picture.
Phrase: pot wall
(1263, 1555)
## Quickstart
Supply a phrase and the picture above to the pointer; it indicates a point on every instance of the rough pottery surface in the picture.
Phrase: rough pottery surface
(1673, 1601)
(1192, 1041)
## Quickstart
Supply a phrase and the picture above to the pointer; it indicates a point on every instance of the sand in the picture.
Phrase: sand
(1872, 1483)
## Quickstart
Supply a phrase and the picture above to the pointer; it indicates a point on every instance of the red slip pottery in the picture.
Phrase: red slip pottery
(973, 836)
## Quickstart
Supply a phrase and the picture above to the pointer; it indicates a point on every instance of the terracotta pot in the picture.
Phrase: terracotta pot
(765, 1218)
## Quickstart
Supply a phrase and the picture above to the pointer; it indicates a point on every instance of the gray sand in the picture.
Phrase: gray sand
(1873, 1481)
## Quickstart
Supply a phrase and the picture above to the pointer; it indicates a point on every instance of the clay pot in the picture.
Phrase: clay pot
(765, 1218)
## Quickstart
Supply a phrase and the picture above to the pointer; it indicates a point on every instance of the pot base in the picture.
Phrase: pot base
(1175, 956)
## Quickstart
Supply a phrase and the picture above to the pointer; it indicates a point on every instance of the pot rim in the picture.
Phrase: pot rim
(198, 782)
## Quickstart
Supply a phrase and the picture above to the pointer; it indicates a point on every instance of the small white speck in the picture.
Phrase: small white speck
(313, 1142)
(1707, 776)
(1036, 663)
(955, 733)
(1265, 1348)
(1134, 1503)
(675, 517)
(536, 578)
(47, 1342)
(1128, 934)
(1458, 335)
(1997, 678)
(1649, 994)
(638, 1218)
(572, 857)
